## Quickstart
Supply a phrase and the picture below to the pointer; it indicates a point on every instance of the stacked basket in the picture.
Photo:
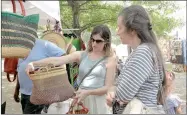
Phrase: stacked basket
(18, 34)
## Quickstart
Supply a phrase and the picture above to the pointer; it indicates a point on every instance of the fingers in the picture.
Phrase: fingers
(109, 99)
(122, 102)
(111, 95)
(78, 92)
(28, 69)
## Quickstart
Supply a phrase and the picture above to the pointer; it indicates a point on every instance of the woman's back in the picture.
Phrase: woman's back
(139, 77)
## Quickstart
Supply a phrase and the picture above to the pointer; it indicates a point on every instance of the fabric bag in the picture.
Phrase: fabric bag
(60, 107)
(50, 85)
(135, 106)
(18, 32)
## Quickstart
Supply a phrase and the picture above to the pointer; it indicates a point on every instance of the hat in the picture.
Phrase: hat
(58, 39)
(70, 48)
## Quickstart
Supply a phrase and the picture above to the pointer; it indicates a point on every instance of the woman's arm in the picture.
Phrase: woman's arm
(178, 109)
(56, 61)
(110, 75)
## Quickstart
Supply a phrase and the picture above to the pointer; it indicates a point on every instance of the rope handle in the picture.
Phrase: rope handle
(78, 105)
(46, 68)
(69, 46)
(21, 5)
(43, 69)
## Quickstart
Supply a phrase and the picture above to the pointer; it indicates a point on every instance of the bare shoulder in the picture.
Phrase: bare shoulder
(111, 61)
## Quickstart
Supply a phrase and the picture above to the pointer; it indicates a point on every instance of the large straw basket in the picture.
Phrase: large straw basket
(50, 84)
(59, 40)
(56, 38)
(18, 34)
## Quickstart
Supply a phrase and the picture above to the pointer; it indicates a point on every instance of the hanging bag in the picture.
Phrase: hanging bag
(18, 32)
(10, 67)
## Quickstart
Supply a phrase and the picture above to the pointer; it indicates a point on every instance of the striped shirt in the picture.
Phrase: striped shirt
(138, 77)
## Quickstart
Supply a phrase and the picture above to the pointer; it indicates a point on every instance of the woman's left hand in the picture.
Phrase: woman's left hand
(81, 95)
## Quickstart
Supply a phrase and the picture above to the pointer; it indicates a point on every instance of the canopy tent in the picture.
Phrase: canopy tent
(46, 9)
(122, 51)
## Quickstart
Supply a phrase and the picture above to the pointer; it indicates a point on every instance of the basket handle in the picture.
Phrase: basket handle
(69, 46)
(79, 104)
(21, 5)
(49, 66)
(46, 68)
(43, 69)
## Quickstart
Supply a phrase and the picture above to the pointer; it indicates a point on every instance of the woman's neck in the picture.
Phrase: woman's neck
(95, 54)
(168, 90)
(135, 43)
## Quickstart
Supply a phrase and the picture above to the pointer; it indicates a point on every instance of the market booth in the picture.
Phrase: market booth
(18, 17)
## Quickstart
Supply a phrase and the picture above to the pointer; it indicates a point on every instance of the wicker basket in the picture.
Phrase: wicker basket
(18, 34)
(83, 109)
(50, 84)
(59, 40)
(56, 38)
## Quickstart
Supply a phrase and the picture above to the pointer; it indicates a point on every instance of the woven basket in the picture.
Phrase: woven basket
(18, 34)
(83, 109)
(56, 38)
(50, 84)
(59, 40)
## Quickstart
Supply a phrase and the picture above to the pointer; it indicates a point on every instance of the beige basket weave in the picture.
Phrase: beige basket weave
(16, 52)
(56, 38)
(50, 84)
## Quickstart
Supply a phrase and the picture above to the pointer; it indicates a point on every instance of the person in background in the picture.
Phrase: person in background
(92, 88)
(173, 102)
(42, 49)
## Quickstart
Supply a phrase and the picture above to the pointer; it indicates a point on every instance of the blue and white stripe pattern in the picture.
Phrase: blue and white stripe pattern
(139, 77)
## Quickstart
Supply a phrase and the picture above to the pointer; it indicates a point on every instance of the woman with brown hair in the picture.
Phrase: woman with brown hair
(143, 72)
(94, 86)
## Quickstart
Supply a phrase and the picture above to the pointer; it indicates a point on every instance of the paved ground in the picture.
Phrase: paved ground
(15, 108)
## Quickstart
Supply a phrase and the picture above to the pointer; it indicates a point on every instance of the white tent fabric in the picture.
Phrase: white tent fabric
(122, 51)
(46, 9)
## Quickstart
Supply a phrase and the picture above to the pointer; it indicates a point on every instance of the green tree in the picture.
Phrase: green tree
(84, 15)
(160, 14)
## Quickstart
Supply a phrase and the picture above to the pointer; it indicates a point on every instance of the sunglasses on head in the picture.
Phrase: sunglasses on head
(97, 41)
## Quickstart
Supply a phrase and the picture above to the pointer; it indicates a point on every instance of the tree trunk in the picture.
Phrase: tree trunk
(75, 10)
(76, 25)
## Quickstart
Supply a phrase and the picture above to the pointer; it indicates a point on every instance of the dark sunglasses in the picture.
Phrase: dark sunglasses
(97, 41)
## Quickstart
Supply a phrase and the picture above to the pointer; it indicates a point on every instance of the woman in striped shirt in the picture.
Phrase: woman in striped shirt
(143, 71)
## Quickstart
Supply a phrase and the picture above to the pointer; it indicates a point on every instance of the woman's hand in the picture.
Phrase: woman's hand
(29, 68)
(81, 95)
(109, 98)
